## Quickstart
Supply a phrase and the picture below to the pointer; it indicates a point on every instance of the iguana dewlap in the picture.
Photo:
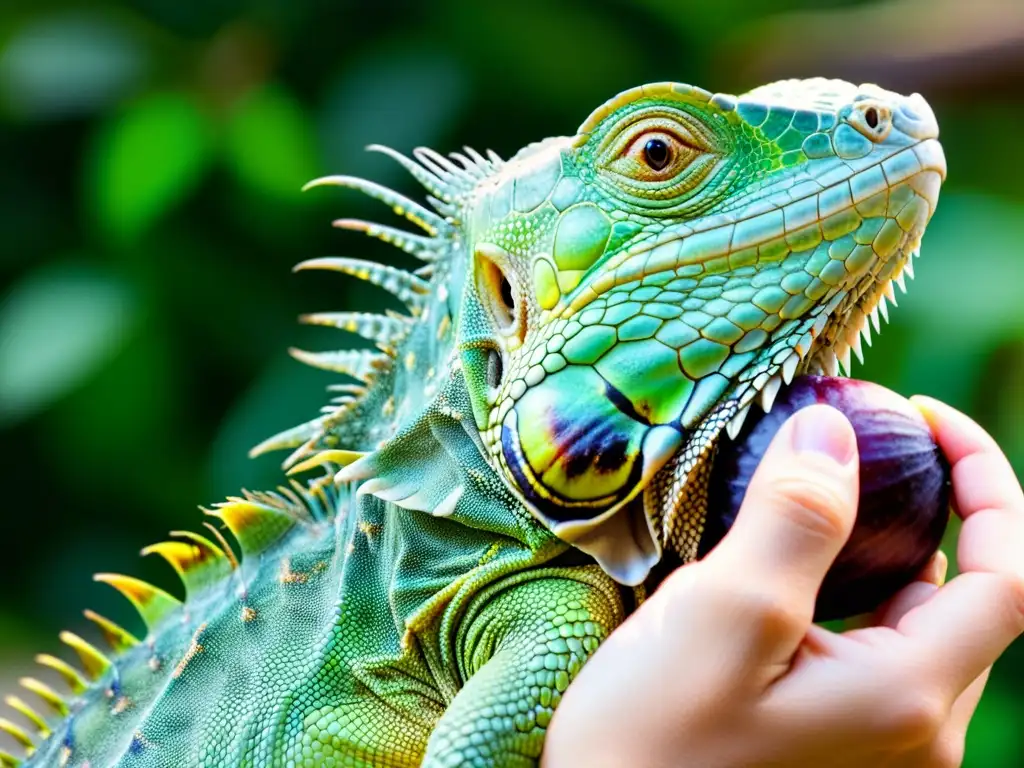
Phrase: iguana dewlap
(522, 447)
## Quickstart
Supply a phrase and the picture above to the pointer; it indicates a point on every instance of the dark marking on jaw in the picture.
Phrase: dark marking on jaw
(558, 508)
(623, 403)
(601, 447)
(593, 442)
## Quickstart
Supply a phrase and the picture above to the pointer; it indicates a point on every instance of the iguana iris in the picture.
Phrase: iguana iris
(526, 444)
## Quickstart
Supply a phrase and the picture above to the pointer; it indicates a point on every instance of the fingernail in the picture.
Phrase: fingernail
(926, 407)
(823, 429)
(941, 568)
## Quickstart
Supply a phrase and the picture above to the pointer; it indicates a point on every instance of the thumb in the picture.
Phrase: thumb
(797, 514)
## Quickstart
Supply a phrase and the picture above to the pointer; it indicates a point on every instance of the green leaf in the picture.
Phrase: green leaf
(270, 145)
(57, 327)
(69, 64)
(145, 161)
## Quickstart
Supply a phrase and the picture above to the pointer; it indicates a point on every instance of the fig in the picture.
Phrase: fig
(904, 489)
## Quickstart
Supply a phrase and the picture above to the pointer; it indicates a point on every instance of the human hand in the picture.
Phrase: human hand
(722, 666)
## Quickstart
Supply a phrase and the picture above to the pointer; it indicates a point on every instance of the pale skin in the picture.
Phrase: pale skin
(722, 667)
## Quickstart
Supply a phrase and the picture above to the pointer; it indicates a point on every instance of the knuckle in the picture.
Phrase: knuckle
(772, 615)
(819, 508)
(916, 717)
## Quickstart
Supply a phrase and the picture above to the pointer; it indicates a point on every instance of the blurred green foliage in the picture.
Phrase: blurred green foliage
(152, 153)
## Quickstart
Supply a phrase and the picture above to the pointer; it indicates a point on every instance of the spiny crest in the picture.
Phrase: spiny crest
(360, 364)
(362, 415)
(93, 662)
(406, 287)
(198, 562)
(256, 520)
(386, 331)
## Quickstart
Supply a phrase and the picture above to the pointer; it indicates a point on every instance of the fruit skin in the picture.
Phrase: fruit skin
(904, 489)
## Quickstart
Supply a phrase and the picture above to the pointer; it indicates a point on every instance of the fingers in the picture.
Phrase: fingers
(964, 627)
(798, 512)
(980, 612)
(987, 493)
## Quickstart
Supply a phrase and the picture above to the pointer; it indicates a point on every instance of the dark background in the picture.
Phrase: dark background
(151, 154)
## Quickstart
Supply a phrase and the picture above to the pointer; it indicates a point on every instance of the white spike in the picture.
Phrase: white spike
(439, 165)
(289, 438)
(349, 389)
(901, 281)
(423, 248)
(883, 307)
(856, 347)
(844, 360)
(865, 331)
(476, 157)
(401, 204)
(908, 267)
(875, 320)
(407, 288)
(448, 503)
(768, 393)
(789, 367)
(830, 364)
(372, 486)
(736, 422)
(383, 490)
(435, 186)
(361, 469)
(890, 293)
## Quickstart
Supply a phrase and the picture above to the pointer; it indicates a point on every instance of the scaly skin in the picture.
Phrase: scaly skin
(528, 443)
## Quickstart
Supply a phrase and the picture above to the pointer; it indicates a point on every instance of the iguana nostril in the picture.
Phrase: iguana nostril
(506, 294)
(872, 120)
(496, 289)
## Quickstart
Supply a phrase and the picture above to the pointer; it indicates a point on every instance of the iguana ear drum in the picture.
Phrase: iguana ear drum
(575, 448)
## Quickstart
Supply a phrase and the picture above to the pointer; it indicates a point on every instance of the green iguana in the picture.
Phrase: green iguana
(523, 447)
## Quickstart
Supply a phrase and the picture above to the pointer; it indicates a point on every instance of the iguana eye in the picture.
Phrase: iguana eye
(653, 154)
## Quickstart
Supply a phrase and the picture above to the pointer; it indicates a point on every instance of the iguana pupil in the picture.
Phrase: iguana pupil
(657, 153)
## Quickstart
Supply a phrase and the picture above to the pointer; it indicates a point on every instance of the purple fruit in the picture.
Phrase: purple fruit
(904, 489)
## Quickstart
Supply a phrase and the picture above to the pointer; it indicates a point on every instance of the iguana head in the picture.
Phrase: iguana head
(602, 305)
(635, 287)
